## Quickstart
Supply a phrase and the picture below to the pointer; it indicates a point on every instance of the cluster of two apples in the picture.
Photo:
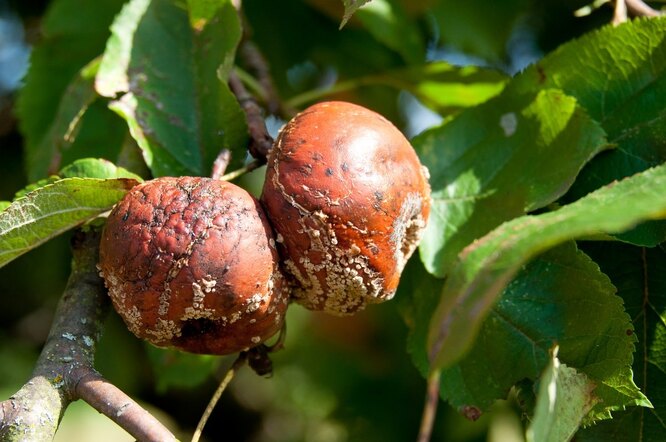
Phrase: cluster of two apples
(200, 265)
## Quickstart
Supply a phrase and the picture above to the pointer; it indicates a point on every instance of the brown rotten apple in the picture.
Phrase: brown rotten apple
(191, 263)
(348, 199)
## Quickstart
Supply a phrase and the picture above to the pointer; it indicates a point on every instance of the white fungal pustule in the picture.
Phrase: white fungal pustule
(407, 229)
(332, 277)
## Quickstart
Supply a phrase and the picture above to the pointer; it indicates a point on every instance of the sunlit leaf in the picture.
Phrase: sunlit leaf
(34, 186)
(83, 168)
(444, 87)
(54, 208)
(565, 396)
(167, 67)
(439, 85)
(484, 268)
(618, 74)
(499, 160)
(96, 168)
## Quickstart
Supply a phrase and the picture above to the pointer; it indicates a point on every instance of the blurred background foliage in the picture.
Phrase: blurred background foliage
(338, 379)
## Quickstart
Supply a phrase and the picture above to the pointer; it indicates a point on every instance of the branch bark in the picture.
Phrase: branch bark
(260, 140)
(64, 370)
(429, 408)
(120, 408)
(635, 8)
(619, 13)
(253, 58)
(639, 8)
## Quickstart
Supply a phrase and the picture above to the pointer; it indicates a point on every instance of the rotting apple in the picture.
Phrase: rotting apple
(191, 263)
(349, 200)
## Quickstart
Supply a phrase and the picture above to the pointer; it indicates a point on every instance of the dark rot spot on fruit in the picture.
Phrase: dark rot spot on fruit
(190, 263)
(379, 198)
(195, 328)
(345, 242)
(630, 332)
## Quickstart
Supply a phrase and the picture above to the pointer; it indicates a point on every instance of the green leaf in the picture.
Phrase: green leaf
(167, 67)
(305, 56)
(96, 168)
(485, 267)
(606, 70)
(618, 74)
(559, 298)
(54, 208)
(46, 156)
(201, 12)
(83, 168)
(34, 186)
(177, 369)
(439, 85)
(565, 397)
(417, 298)
(444, 87)
(4, 205)
(351, 6)
(99, 134)
(389, 24)
(639, 276)
(512, 154)
(74, 33)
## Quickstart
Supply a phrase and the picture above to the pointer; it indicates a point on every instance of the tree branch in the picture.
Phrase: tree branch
(220, 164)
(619, 12)
(64, 370)
(237, 365)
(120, 408)
(260, 140)
(429, 407)
(635, 8)
(639, 8)
(256, 61)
